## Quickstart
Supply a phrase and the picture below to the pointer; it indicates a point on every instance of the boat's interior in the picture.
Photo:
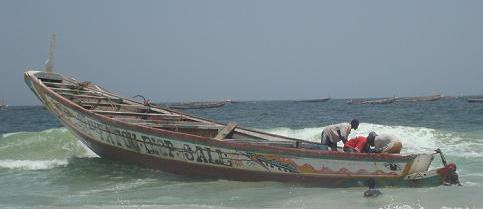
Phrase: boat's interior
(97, 100)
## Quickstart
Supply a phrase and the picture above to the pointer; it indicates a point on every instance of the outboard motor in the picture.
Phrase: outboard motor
(450, 177)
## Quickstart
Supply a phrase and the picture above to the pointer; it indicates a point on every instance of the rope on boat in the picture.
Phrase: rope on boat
(78, 86)
(146, 103)
(81, 85)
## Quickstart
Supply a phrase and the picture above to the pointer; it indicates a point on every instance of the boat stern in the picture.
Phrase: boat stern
(419, 174)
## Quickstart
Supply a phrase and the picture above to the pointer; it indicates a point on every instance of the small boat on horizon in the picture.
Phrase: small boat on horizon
(422, 98)
(3, 105)
(380, 101)
(197, 105)
(314, 100)
(475, 100)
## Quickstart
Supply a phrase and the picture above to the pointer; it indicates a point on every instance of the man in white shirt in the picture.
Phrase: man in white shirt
(337, 132)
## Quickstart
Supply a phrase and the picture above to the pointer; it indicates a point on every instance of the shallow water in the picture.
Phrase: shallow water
(42, 165)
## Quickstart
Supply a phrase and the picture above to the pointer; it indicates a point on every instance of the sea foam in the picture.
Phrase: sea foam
(32, 164)
(414, 139)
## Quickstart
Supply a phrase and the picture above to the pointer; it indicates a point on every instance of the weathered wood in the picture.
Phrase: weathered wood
(226, 131)
(183, 126)
(139, 120)
(139, 114)
(69, 95)
(258, 135)
(141, 107)
(51, 80)
(51, 84)
(289, 144)
(56, 89)
(127, 113)
(166, 122)
(81, 96)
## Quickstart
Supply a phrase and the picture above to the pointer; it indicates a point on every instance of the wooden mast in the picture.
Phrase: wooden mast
(49, 64)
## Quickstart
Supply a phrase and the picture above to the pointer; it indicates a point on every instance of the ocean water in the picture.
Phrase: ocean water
(42, 165)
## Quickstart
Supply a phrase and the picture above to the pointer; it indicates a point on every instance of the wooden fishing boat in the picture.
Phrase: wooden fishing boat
(197, 105)
(422, 98)
(314, 100)
(123, 129)
(160, 138)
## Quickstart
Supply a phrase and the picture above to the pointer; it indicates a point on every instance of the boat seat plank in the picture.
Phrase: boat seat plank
(266, 137)
(166, 122)
(157, 115)
(226, 131)
(69, 95)
(183, 126)
(82, 96)
(71, 90)
(114, 104)
(127, 113)
(173, 118)
(260, 135)
(56, 84)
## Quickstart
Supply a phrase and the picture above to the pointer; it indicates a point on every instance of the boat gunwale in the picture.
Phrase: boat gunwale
(210, 141)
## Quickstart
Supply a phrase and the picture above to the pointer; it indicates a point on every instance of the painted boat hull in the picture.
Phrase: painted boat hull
(193, 155)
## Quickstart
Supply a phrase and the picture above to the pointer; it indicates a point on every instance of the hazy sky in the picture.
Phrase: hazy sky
(248, 50)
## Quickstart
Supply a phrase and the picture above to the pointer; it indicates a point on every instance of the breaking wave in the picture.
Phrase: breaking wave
(414, 139)
(32, 164)
(40, 150)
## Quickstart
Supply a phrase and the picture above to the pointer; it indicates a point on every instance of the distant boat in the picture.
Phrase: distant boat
(197, 105)
(380, 101)
(475, 100)
(314, 100)
(422, 98)
(3, 106)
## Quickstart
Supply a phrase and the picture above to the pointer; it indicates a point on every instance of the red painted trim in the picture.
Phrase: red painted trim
(42, 89)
